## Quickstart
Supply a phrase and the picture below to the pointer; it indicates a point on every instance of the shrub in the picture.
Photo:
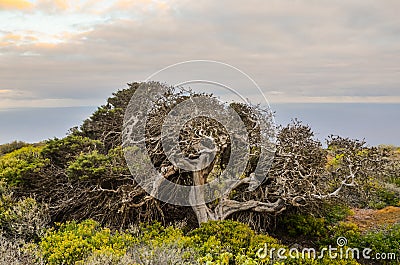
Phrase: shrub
(23, 219)
(390, 198)
(160, 254)
(335, 212)
(386, 240)
(217, 237)
(21, 163)
(384, 197)
(16, 253)
(155, 244)
(88, 243)
(305, 225)
(343, 229)
(323, 261)
(157, 235)
(218, 243)
(72, 242)
(10, 147)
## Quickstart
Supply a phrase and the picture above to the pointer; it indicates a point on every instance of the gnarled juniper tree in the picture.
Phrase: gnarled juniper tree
(87, 176)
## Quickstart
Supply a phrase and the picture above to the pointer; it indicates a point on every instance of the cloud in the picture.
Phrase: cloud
(53, 6)
(335, 99)
(297, 51)
(12, 39)
(45, 103)
(15, 4)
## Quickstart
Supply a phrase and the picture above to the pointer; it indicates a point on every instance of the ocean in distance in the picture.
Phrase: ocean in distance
(376, 123)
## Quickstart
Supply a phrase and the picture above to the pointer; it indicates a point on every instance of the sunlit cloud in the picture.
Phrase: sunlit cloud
(15, 4)
(330, 51)
(11, 39)
(56, 21)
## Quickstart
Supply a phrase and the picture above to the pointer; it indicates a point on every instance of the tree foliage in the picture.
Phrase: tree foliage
(105, 124)
(85, 175)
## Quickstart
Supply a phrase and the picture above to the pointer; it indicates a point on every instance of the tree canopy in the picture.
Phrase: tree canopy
(85, 175)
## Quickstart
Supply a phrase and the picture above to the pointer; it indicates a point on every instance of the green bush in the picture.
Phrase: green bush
(383, 198)
(217, 237)
(72, 242)
(323, 261)
(88, 243)
(145, 254)
(335, 212)
(305, 225)
(156, 234)
(229, 242)
(214, 243)
(386, 240)
(396, 181)
(390, 198)
(10, 147)
(19, 164)
(342, 229)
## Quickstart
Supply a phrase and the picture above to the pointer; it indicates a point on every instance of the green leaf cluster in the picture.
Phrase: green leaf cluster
(20, 164)
(62, 151)
(88, 166)
(72, 242)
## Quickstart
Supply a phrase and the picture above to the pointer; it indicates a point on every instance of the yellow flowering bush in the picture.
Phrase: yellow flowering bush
(19, 164)
(72, 242)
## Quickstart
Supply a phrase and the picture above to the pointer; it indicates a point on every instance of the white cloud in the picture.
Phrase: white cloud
(298, 51)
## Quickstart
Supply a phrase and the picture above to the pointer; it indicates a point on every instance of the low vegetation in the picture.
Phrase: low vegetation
(74, 201)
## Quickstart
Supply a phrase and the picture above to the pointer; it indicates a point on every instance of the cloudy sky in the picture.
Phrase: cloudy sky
(76, 53)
